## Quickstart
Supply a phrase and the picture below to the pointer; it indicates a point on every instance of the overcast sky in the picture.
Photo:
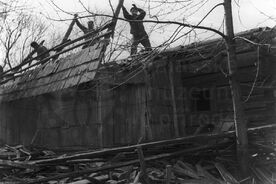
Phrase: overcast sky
(247, 14)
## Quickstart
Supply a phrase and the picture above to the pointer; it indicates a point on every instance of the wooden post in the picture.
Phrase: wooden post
(100, 123)
(143, 174)
(65, 38)
(114, 22)
(68, 32)
(172, 89)
(148, 91)
(115, 16)
(168, 174)
(239, 115)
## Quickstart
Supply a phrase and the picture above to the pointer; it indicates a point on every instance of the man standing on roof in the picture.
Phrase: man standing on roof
(86, 30)
(137, 28)
(41, 51)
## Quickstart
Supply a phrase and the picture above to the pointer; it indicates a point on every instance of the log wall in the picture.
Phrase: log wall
(105, 114)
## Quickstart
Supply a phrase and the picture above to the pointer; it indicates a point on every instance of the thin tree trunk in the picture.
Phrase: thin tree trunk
(239, 115)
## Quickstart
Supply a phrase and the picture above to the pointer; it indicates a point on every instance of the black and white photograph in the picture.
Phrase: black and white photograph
(137, 91)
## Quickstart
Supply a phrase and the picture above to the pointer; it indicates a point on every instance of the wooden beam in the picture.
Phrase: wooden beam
(115, 17)
(63, 45)
(65, 38)
(46, 59)
(117, 165)
(168, 174)
(180, 140)
(21, 165)
(143, 168)
(100, 109)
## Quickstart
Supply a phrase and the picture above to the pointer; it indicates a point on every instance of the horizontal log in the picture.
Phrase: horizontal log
(180, 140)
(8, 163)
(117, 165)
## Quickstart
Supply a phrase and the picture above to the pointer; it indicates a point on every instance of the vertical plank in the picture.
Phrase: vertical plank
(143, 168)
(100, 123)
(271, 93)
(148, 103)
(108, 116)
(168, 174)
(172, 90)
(142, 112)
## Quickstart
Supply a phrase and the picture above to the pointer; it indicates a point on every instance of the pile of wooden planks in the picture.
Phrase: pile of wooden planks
(181, 160)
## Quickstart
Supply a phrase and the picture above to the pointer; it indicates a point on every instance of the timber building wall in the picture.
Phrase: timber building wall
(102, 113)
(75, 118)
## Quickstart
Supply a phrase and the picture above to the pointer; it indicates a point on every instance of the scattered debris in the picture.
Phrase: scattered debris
(169, 161)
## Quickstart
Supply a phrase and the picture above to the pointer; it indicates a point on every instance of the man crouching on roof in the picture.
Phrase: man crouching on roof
(137, 28)
(41, 51)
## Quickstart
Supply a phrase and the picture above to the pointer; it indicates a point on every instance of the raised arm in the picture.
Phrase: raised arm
(126, 14)
(142, 14)
(83, 28)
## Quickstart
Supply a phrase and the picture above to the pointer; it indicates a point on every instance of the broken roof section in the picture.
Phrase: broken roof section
(82, 67)
(64, 73)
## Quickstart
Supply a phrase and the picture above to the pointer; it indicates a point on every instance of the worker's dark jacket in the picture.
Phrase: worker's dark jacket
(136, 28)
(41, 52)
